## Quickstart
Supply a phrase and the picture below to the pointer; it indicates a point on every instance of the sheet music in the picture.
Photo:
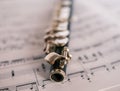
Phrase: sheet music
(94, 45)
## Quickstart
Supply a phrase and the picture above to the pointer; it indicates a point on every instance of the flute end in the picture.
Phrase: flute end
(57, 76)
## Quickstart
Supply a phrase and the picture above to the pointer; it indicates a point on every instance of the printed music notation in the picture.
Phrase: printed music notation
(94, 44)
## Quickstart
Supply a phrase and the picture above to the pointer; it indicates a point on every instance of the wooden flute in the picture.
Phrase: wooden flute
(57, 40)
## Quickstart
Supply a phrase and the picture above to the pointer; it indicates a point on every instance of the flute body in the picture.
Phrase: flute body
(57, 39)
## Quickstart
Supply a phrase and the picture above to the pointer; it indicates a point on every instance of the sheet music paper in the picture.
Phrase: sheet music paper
(94, 45)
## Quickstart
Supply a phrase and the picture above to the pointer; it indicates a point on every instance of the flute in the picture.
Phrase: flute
(57, 39)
